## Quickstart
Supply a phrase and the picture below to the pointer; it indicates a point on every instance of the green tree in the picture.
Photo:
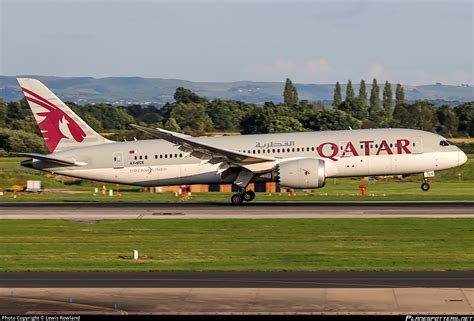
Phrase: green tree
(290, 95)
(363, 94)
(465, 113)
(332, 119)
(374, 109)
(172, 124)
(271, 119)
(3, 113)
(284, 124)
(422, 115)
(21, 141)
(337, 96)
(448, 121)
(185, 96)
(355, 108)
(192, 118)
(349, 91)
(401, 116)
(387, 100)
(226, 115)
(399, 95)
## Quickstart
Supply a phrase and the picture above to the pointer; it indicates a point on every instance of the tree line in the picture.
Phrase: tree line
(196, 115)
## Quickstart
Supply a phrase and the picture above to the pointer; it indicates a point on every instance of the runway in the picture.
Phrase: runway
(398, 293)
(237, 280)
(99, 211)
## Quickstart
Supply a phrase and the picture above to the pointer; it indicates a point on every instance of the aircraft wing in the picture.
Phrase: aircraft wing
(205, 152)
(52, 159)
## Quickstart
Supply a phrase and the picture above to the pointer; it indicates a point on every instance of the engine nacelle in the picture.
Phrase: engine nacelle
(302, 173)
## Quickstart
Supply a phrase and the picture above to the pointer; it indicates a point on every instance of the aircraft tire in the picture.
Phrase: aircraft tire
(237, 199)
(425, 187)
(249, 196)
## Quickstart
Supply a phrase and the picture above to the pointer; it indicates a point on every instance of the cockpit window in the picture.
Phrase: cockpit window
(444, 143)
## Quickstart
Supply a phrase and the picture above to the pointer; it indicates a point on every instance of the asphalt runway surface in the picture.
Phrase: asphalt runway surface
(98, 211)
(237, 280)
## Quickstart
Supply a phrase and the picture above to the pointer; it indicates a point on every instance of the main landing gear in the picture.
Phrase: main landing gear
(242, 181)
(242, 196)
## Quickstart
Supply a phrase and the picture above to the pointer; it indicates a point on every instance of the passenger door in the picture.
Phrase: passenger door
(118, 160)
(416, 145)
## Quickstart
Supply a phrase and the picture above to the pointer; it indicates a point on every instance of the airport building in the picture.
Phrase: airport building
(269, 187)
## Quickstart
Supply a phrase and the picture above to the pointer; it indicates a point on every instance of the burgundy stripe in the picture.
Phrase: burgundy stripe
(48, 107)
(38, 97)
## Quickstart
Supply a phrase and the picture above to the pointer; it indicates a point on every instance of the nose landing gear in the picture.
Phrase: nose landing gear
(425, 186)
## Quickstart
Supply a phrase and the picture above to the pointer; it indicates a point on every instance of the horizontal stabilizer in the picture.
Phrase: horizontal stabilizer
(52, 159)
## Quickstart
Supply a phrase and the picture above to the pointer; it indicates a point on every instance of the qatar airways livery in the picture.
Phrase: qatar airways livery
(297, 160)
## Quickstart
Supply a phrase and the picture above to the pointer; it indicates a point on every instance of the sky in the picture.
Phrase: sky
(412, 42)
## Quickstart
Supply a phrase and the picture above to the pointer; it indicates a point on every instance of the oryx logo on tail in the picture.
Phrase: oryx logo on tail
(55, 124)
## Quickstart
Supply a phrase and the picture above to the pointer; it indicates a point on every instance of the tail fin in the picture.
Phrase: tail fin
(61, 128)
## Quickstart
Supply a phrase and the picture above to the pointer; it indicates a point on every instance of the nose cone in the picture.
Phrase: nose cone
(462, 158)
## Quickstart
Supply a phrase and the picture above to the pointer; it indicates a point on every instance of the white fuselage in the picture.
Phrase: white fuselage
(346, 153)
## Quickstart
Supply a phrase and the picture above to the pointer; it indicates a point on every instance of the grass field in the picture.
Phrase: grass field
(407, 244)
(454, 184)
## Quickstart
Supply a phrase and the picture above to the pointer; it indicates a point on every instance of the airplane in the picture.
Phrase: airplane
(296, 160)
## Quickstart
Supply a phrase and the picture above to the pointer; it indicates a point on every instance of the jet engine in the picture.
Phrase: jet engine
(302, 173)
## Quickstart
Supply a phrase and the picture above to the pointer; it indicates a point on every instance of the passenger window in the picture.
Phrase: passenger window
(140, 156)
(135, 157)
(161, 155)
(292, 149)
(298, 149)
(115, 159)
(166, 155)
(146, 156)
(278, 150)
(312, 149)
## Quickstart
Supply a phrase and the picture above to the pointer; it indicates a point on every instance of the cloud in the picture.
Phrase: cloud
(317, 67)
(319, 70)
(312, 70)
(276, 68)
(378, 71)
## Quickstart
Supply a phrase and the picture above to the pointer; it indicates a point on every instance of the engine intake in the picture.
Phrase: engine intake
(302, 173)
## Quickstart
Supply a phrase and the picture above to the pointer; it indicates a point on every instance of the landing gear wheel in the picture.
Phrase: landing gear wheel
(249, 196)
(237, 199)
(425, 186)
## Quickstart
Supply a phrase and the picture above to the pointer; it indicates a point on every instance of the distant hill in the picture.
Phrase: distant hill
(130, 90)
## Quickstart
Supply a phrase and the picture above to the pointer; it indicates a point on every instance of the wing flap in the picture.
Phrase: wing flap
(205, 152)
